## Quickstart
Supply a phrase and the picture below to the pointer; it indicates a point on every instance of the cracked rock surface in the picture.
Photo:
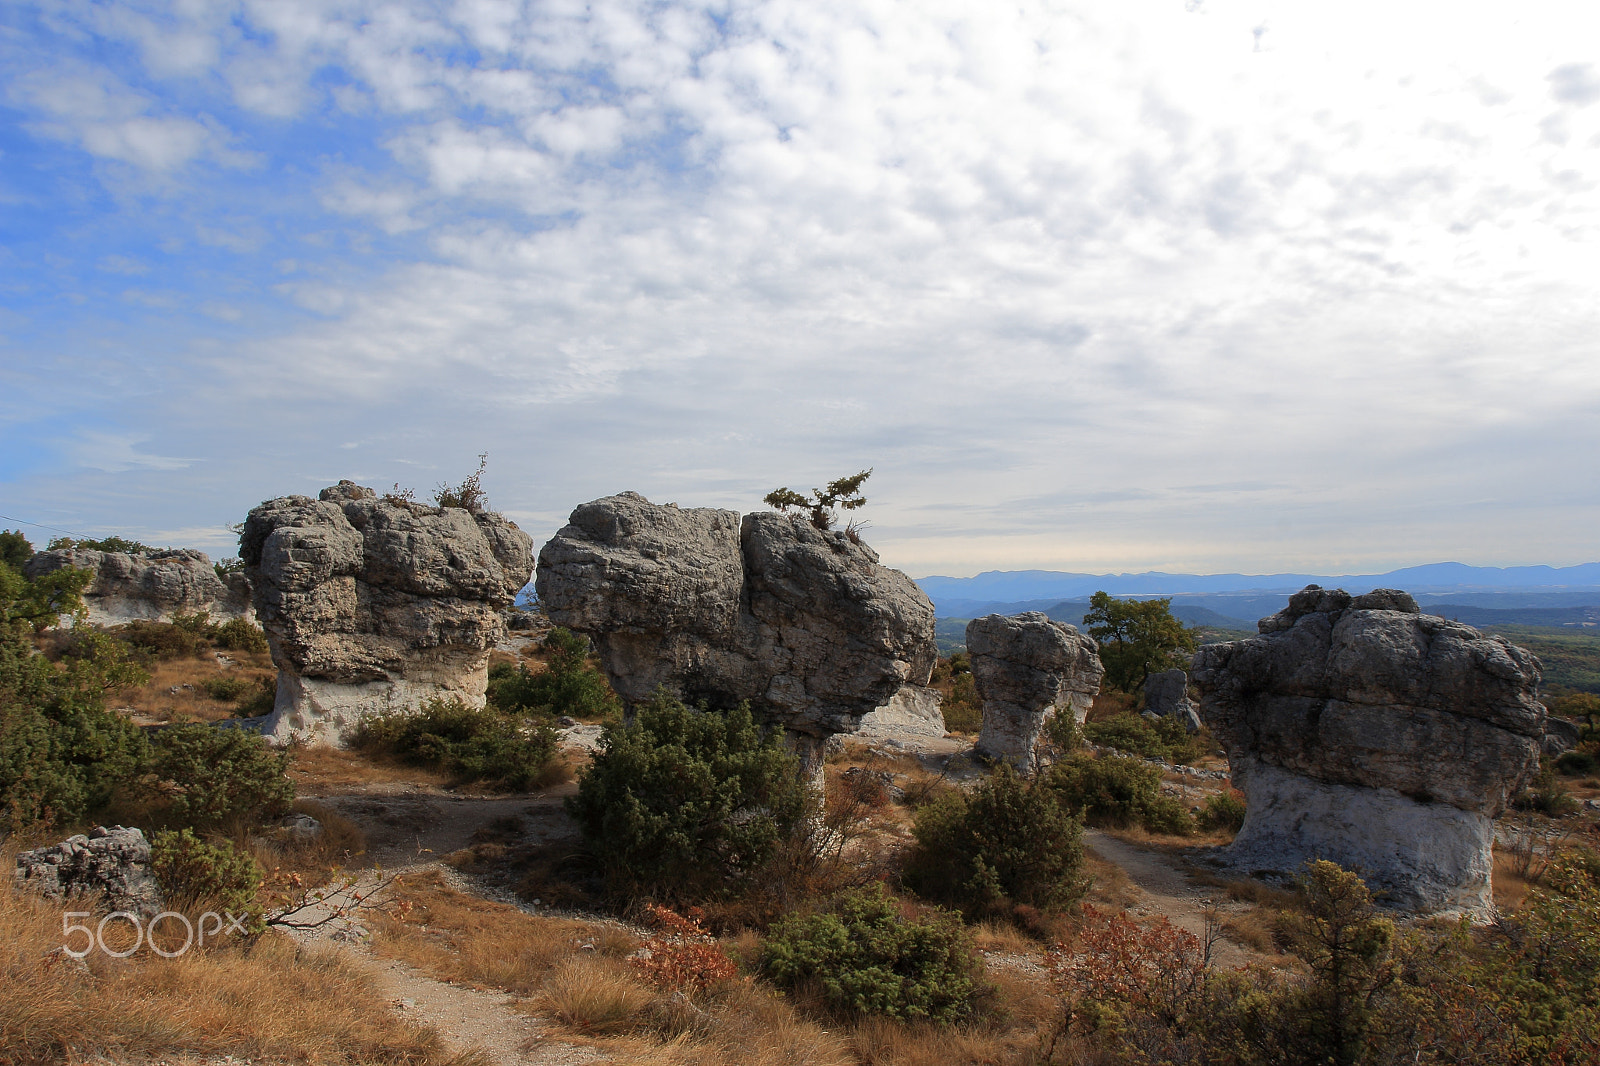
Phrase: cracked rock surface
(1027, 668)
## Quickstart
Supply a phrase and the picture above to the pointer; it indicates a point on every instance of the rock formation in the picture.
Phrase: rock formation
(372, 605)
(1166, 694)
(804, 623)
(1383, 739)
(1026, 668)
(151, 586)
(113, 864)
(913, 711)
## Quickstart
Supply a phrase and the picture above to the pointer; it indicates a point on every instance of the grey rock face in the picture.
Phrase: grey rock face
(1166, 694)
(371, 605)
(805, 624)
(1560, 735)
(913, 711)
(1026, 668)
(1430, 724)
(111, 863)
(153, 586)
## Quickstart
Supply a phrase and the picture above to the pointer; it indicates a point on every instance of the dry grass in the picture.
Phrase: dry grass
(1510, 886)
(176, 689)
(1112, 887)
(594, 996)
(325, 770)
(473, 941)
(219, 1001)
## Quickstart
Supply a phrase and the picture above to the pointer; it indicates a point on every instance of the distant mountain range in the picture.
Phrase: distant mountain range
(1552, 595)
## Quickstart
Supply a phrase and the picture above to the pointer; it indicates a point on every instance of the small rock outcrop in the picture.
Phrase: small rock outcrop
(1027, 668)
(150, 586)
(112, 864)
(1166, 695)
(372, 605)
(1386, 740)
(804, 623)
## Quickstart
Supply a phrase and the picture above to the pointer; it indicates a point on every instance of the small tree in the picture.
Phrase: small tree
(843, 494)
(469, 494)
(14, 548)
(685, 802)
(1137, 638)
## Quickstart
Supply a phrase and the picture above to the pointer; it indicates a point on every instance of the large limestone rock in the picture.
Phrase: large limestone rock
(1166, 694)
(109, 865)
(152, 586)
(913, 711)
(804, 623)
(1027, 668)
(372, 605)
(1364, 732)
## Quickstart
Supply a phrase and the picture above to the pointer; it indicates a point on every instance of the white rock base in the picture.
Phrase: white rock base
(316, 711)
(911, 712)
(1011, 733)
(1425, 858)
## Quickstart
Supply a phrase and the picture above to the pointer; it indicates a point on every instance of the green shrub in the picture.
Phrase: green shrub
(963, 710)
(1164, 738)
(567, 686)
(220, 778)
(1225, 810)
(108, 544)
(865, 957)
(15, 550)
(194, 873)
(1548, 795)
(470, 744)
(1576, 763)
(163, 640)
(1116, 790)
(1010, 842)
(681, 802)
(63, 755)
(227, 689)
(238, 635)
(260, 700)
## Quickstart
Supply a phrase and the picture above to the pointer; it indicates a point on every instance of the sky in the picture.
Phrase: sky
(1191, 285)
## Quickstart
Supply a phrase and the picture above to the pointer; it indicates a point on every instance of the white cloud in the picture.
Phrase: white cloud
(117, 452)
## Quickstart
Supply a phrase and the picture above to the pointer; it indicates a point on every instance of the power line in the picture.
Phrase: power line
(41, 525)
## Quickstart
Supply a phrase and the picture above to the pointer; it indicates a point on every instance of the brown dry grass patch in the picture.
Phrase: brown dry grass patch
(157, 701)
(1509, 886)
(326, 770)
(223, 1000)
(473, 941)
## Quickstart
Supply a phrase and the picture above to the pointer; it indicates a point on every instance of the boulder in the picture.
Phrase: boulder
(1560, 735)
(1166, 694)
(374, 605)
(152, 586)
(804, 623)
(111, 865)
(913, 711)
(1386, 740)
(1026, 668)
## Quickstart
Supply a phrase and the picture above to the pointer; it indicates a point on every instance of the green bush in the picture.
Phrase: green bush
(1225, 810)
(865, 957)
(260, 700)
(194, 873)
(162, 640)
(682, 802)
(238, 635)
(567, 686)
(227, 689)
(63, 755)
(15, 550)
(220, 778)
(470, 744)
(963, 710)
(1010, 842)
(1116, 790)
(1548, 795)
(1164, 738)
(108, 544)
(1576, 763)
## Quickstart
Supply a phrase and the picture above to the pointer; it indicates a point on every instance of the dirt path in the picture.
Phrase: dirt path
(1166, 891)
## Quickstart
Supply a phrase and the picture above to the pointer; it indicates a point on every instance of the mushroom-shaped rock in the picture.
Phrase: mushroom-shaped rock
(804, 623)
(1386, 740)
(148, 586)
(372, 605)
(1166, 694)
(1026, 668)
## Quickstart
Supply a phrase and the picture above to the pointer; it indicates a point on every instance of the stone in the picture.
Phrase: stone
(804, 623)
(111, 865)
(373, 605)
(913, 711)
(1027, 668)
(1386, 740)
(1166, 694)
(152, 586)
(300, 828)
(1560, 735)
